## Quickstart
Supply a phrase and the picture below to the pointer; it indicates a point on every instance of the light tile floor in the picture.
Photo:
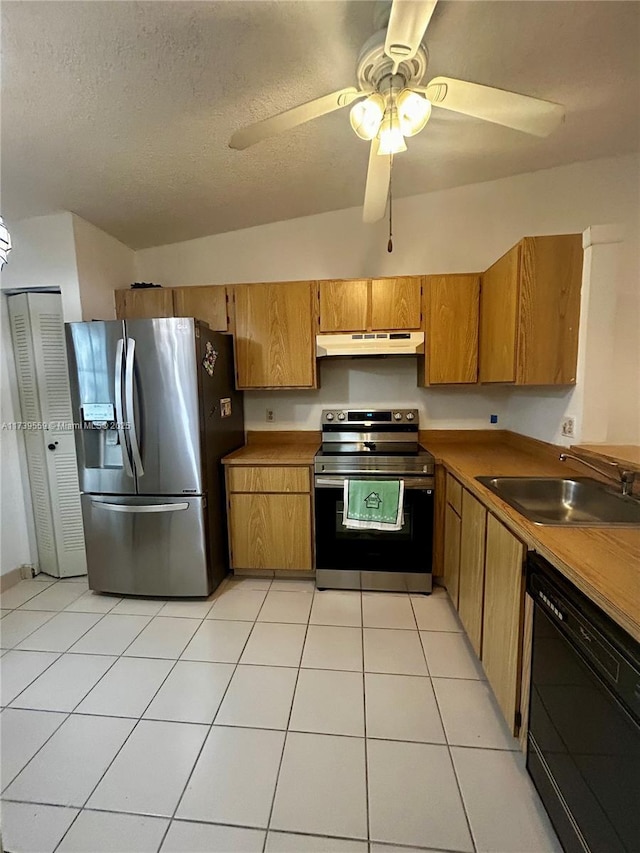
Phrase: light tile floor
(269, 718)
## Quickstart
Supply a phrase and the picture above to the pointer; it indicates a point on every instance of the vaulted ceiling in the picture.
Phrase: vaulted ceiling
(121, 111)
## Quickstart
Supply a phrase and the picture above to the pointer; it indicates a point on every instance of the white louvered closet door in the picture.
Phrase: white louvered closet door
(37, 329)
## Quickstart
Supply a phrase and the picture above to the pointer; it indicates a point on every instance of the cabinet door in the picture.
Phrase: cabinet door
(451, 553)
(549, 313)
(144, 304)
(498, 318)
(343, 306)
(503, 617)
(452, 305)
(270, 531)
(471, 582)
(395, 303)
(206, 303)
(274, 335)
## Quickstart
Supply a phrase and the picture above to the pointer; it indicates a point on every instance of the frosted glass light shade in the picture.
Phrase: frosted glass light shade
(391, 140)
(414, 111)
(365, 116)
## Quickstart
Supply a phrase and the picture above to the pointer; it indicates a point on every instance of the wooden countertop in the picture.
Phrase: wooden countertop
(623, 454)
(278, 452)
(602, 562)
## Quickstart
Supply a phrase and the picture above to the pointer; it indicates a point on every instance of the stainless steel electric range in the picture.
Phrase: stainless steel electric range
(373, 445)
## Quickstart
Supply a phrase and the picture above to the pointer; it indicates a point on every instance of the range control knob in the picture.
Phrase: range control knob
(329, 416)
(341, 416)
(410, 416)
(397, 416)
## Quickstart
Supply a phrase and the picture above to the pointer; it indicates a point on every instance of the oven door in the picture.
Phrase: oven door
(399, 551)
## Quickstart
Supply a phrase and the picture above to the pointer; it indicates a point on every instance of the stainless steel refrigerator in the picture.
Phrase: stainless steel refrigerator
(158, 409)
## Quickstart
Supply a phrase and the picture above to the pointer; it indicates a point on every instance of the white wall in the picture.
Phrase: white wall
(383, 382)
(43, 255)
(104, 265)
(459, 230)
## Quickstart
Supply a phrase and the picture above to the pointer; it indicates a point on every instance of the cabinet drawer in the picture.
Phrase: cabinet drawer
(454, 494)
(269, 478)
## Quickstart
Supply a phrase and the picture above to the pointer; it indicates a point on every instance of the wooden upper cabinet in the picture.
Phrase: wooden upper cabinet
(503, 617)
(451, 319)
(363, 305)
(344, 305)
(530, 313)
(275, 335)
(396, 303)
(208, 303)
(144, 303)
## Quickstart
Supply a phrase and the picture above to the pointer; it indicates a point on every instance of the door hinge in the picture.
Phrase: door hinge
(518, 719)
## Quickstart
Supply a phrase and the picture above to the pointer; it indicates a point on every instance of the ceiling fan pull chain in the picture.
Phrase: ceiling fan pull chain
(390, 243)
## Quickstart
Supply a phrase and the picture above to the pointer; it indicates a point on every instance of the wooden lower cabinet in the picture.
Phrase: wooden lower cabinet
(270, 523)
(270, 531)
(451, 562)
(503, 618)
(472, 568)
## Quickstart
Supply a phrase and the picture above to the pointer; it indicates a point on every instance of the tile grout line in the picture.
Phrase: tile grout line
(286, 731)
(453, 766)
(51, 651)
(366, 740)
(134, 727)
(210, 729)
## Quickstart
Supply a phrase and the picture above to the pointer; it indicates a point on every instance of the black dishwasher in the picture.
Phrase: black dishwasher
(584, 718)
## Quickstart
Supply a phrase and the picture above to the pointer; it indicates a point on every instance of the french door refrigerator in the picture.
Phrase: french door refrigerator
(157, 407)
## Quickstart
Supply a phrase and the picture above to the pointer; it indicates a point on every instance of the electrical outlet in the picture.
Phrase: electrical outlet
(569, 427)
(270, 415)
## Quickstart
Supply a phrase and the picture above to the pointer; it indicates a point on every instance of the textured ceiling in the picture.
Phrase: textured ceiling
(121, 111)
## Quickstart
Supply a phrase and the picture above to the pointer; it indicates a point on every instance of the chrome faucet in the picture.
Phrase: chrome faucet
(627, 478)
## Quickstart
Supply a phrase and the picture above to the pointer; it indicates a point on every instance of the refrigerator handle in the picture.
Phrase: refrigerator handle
(176, 507)
(128, 391)
(117, 381)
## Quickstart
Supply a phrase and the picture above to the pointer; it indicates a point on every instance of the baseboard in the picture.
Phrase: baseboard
(16, 575)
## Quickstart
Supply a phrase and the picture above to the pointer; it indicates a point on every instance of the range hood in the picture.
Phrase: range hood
(370, 343)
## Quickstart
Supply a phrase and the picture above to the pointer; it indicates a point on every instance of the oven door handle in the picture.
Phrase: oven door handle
(426, 483)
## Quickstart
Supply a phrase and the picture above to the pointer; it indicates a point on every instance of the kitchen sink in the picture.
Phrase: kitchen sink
(570, 501)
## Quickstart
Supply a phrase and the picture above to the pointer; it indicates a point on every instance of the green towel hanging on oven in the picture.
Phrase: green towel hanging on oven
(373, 504)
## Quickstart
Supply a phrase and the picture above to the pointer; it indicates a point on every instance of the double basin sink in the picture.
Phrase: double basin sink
(568, 502)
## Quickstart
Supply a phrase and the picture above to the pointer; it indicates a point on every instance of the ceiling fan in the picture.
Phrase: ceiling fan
(390, 102)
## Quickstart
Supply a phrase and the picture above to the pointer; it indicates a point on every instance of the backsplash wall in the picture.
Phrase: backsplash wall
(351, 383)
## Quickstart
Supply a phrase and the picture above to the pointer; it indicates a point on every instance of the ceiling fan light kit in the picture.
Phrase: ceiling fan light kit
(391, 140)
(414, 111)
(366, 116)
(392, 102)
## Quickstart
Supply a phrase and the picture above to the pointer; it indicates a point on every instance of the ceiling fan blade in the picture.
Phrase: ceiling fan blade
(291, 118)
(407, 25)
(520, 112)
(377, 189)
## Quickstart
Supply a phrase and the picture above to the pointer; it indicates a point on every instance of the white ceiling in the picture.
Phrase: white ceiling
(121, 111)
